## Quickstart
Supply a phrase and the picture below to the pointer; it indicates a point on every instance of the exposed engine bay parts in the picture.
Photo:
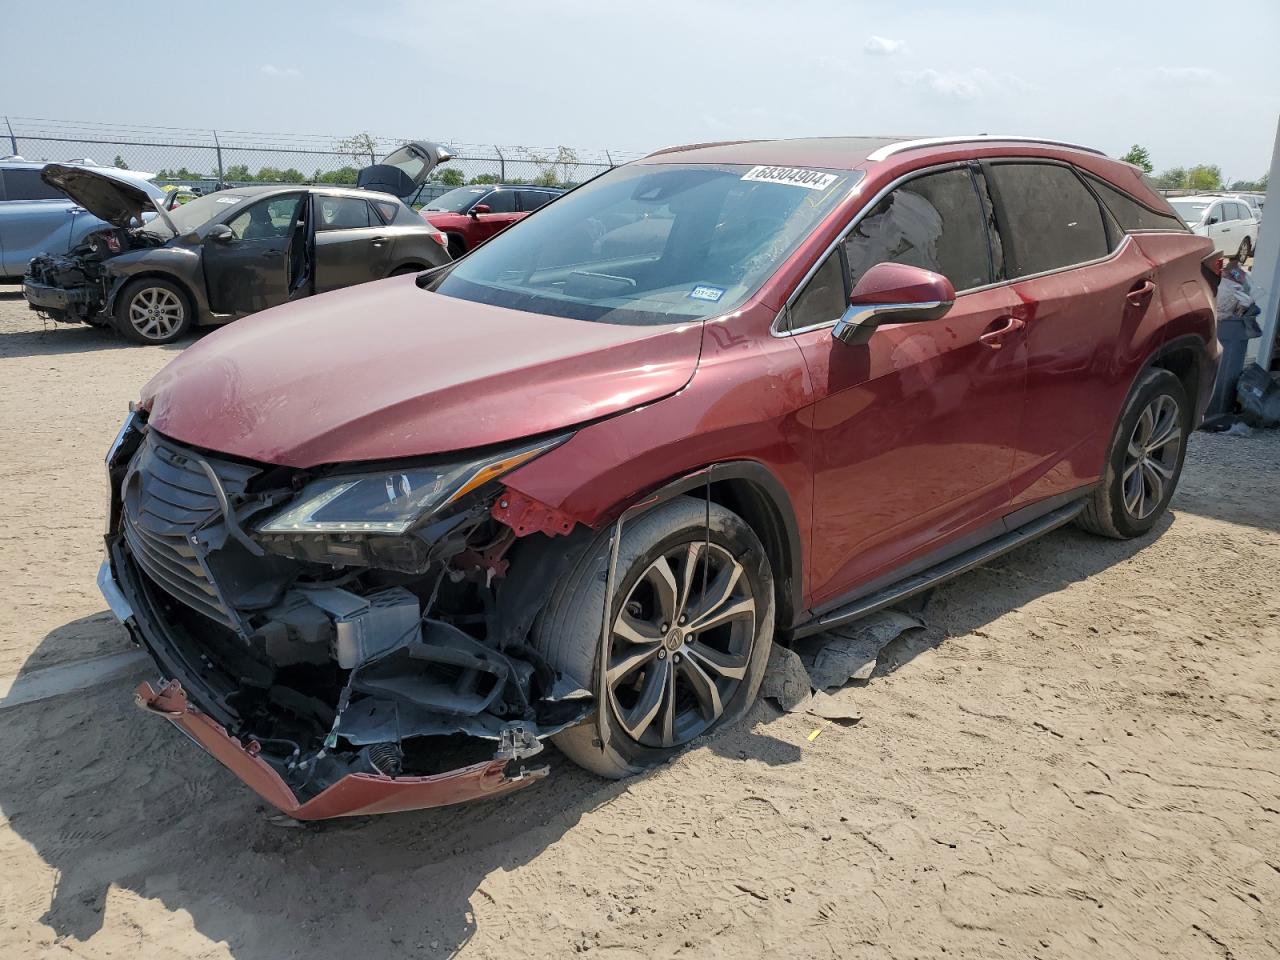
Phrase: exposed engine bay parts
(354, 632)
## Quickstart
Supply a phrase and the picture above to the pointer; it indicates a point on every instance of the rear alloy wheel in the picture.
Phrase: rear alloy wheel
(1145, 459)
(1152, 457)
(1246, 249)
(691, 628)
(153, 311)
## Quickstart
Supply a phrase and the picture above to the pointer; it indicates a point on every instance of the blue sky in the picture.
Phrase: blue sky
(1191, 81)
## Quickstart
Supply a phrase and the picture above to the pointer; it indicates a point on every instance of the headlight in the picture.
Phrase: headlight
(392, 501)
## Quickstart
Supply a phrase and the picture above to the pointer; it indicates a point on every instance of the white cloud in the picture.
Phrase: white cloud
(883, 46)
(273, 71)
(962, 85)
(1187, 73)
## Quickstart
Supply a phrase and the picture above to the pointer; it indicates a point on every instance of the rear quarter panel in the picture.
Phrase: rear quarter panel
(1187, 300)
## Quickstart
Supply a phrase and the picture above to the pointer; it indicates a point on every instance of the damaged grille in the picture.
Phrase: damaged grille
(167, 497)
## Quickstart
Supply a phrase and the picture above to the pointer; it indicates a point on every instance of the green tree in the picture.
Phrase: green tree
(1253, 186)
(451, 177)
(1204, 176)
(238, 173)
(1139, 157)
(343, 175)
(292, 175)
(1172, 179)
(119, 162)
(486, 178)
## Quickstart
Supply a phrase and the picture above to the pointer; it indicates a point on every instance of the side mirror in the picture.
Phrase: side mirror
(220, 233)
(1210, 221)
(893, 293)
(479, 208)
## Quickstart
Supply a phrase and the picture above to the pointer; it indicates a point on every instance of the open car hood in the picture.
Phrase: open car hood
(404, 169)
(386, 370)
(119, 200)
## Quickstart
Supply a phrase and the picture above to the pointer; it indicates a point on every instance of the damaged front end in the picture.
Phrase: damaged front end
(344, 642)
(76, 287)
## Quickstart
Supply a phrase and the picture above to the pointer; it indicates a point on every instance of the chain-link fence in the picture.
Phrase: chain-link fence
(206, 158)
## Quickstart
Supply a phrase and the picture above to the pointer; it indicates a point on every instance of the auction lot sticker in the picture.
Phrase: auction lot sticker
(792, 176)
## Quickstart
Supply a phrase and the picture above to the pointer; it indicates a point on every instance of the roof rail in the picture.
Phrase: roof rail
(677, 148)
(887, 151)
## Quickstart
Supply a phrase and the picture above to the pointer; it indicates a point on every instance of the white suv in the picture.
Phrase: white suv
(1227, 221)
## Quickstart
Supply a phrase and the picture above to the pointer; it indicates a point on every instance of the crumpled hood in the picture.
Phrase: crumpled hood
(386, 370)
(119, 200)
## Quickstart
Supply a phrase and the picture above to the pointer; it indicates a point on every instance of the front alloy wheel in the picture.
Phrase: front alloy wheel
(691, 625)
(681, 645)
(153, 310)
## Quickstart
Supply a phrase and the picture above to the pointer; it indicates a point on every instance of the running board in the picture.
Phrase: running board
(940, 573)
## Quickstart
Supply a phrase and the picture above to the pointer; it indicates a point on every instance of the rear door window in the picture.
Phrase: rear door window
(1048, 218)
(533, 199)
(342, 213)
(935, 221)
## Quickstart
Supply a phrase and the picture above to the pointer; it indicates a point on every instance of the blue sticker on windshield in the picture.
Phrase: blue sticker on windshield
(704, 291)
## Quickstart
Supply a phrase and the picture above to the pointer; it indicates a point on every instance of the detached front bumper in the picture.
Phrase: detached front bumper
(42, 296)
(355, 794)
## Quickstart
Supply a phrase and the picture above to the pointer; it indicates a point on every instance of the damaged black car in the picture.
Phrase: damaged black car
(157, 272)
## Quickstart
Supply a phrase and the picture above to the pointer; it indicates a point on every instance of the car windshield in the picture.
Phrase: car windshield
(1191, 211)
(196, 213)
(650, 244)
(455, 201)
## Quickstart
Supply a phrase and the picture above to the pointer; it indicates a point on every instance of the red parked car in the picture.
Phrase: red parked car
(468, 216)
(575, 485)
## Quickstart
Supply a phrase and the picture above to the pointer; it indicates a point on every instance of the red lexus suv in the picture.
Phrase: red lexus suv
(383, 542)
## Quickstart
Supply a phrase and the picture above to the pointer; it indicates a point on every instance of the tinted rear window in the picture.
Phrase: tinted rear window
(1049, 219)
(27, 185)
(1130, 214)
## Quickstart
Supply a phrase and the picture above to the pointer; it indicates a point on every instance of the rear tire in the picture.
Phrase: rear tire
(1246, 249)
(671, 687)
(405, 270)
(153, 310)
(1145, 459)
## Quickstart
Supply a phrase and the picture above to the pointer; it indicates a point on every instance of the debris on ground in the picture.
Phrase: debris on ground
(799, 679)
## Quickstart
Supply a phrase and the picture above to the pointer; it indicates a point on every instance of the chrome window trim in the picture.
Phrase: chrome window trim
(774, 330)
(883, 153)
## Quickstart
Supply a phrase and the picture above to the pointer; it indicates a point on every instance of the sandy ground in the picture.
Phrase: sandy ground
(1079, 757)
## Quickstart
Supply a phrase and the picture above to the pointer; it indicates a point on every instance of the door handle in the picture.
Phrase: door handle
(993, 338)
(1225, 230)
(1140, 293)
(378, 241)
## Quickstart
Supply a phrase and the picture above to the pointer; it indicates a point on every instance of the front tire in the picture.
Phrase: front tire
(686, 655)
(153, 310)
(1145, 460)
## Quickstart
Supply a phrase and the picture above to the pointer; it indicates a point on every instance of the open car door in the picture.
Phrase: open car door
(405, 169)
(261, 256)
